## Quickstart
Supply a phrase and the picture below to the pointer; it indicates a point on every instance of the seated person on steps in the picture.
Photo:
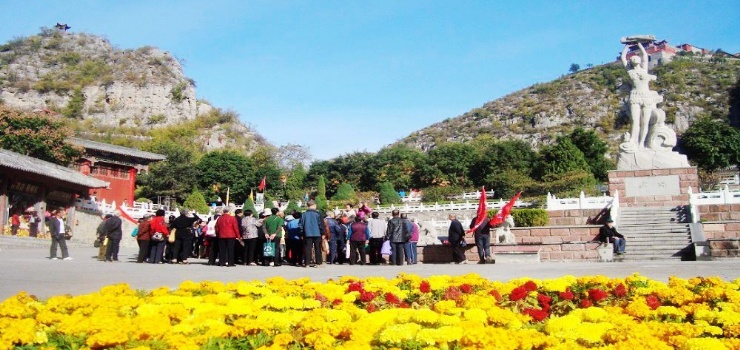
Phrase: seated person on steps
(608, 234)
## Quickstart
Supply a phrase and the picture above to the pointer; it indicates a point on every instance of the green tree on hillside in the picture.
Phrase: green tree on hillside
(561, 157)
(594, 150)
(397, 165)
(37, 136)
(344, 192)
(453, 162)
(711, 144)
(227, 169)
(174, 177)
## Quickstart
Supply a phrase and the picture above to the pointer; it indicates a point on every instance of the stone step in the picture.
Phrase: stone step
(653, 245)
(516, 257)
(651, 228)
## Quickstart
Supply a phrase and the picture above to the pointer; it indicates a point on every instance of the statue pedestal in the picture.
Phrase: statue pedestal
(651, 159)
(653, 187)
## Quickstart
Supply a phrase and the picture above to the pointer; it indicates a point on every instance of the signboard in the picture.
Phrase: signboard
(24, 187)
(60, 196)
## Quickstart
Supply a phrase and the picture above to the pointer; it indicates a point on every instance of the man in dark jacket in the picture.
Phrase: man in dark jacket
(608, 234)
(100, 232)
(312, 228)
(114, 233)
(398, 234)
(455, 235)
(56, 229)
(483, 239)
(183, 226)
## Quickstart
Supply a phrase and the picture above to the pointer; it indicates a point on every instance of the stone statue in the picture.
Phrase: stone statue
(503, 232)
(649, 144)
(427, 234)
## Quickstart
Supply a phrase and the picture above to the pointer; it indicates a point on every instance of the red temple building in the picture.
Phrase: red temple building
(116, 165)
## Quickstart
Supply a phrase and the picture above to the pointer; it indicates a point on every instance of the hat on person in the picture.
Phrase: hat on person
(289, 218)
(609, 220)
(147, 216)
(267, 212)
(108, 216)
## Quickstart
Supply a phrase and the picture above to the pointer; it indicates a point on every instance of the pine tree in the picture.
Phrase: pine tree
(196, 201)
(344, 192)
(321, 196)
(249, 205)
(292, 206)
(388, 195)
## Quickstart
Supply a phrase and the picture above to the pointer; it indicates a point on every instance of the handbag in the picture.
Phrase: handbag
(96, 244)
(135, 232)
(386, 248)
(158, 237)
(347, 251)
(268, 249)
(67, 236)
(171, 238)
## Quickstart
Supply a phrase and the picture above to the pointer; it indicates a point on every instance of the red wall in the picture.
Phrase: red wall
(120, 188)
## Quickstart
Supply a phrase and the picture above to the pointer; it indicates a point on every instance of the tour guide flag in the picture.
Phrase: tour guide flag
(501, 215)
(262, 184)
(481, 215)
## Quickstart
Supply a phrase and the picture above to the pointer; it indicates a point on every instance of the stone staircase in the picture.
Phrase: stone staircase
(655, 233)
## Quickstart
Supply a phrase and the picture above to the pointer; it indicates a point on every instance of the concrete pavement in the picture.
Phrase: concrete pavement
(29, 269)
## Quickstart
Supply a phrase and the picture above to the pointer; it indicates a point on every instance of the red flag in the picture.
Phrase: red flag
(262, 184)
(501, 215)
(482, 212)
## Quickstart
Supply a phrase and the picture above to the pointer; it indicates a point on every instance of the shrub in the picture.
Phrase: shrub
(196, 201)
(388, 195)
(344, 192)
(527, 217)
(249, 205)
(292, 206)
(440, 194)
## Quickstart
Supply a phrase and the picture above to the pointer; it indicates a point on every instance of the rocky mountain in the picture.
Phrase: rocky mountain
(692, 86)
(109, 90)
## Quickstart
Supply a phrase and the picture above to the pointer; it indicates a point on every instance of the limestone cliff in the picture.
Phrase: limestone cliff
(106, 89)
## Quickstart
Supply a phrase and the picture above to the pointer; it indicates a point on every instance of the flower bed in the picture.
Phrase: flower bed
(407, 312)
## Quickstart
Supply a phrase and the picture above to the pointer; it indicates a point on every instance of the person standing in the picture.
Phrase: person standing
(114, 232)
(410, 246)
(336, 239)
(159, 234)
(143, 236)
(15, 223)
(359, 236)
(101, 238)
(608, 234)
(293, 239)
(56, 228)
(455, 235)
(249, 229)
(227, 230)
(239, 247)
(312, 228)
(273, 226)
(482, 239)
(398, 234)
(377, 228)
(183, 226)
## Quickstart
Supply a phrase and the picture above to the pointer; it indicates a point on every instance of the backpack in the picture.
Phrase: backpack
(211, 228)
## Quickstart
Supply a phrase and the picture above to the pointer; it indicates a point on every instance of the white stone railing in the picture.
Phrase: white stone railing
(421, 207)
(91, 205)
(582, 202)
(723, 196)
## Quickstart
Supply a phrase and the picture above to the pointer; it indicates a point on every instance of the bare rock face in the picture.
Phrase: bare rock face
(139, 87)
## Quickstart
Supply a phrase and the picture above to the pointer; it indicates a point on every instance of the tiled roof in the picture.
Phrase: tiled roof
(10, 159)
(100, 146)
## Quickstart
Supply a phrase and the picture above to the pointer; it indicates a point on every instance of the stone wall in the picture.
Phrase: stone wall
(576, 217)
(563, 243)
(724, 248)
(719, 230)
(719, 212)
(687, 177)
(86, 223)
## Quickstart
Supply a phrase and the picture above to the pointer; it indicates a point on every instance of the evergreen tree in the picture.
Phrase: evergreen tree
(388, 195)
(249, 205)
(292, 206)
(321, 194)
(344, 192)
(196, 201)
(594, 150)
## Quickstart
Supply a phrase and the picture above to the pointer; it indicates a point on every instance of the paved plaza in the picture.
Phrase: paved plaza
(30, 270)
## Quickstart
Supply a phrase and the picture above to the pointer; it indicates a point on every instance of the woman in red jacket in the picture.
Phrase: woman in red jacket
(227, 230)
(159, 233)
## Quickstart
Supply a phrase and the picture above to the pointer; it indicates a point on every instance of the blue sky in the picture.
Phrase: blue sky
(345, 76)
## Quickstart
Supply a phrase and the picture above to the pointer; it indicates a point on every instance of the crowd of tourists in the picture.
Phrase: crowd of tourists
(272, 238)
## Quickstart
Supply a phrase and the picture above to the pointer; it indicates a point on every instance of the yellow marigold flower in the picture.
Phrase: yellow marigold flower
(444, 306)
(396, 333)
(425, 317)
(703, 344)
(670, 312)
(476, 315)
